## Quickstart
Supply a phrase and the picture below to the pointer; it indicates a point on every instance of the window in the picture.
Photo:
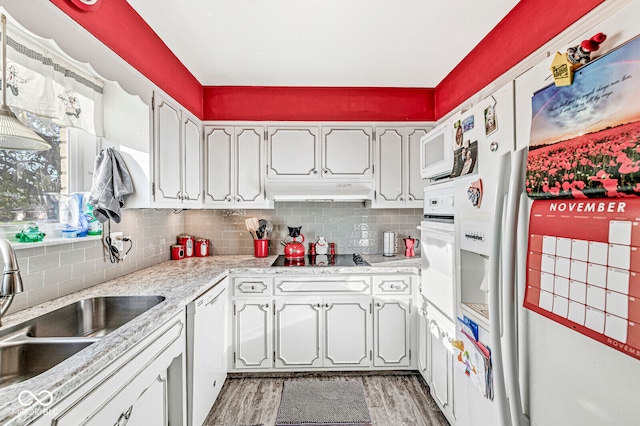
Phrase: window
(33, 184)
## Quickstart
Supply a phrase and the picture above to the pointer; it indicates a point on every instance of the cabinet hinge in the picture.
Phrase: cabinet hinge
(274, 309)
(234, 357)
(374, 135)
(370, 355)
(370, 308)
(153, 189)
(274, 356)
(234, 311)
(153, 102)
(409, 354)
(265, 135)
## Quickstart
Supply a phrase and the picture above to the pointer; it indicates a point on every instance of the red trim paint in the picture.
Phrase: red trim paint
(116, 24)
(318, 103)
(529, 25)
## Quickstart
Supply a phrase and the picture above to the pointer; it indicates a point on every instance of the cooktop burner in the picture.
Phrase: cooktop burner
(321, 260)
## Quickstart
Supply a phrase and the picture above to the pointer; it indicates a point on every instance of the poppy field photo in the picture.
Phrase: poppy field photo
(585, 138)
(600, 164)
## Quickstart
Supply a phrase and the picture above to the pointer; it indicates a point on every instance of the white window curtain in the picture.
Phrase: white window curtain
(44, 82)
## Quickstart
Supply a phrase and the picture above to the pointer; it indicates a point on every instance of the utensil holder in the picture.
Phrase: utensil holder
(261, 248)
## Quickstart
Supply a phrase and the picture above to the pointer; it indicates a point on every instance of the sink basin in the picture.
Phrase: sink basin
(23, 360)
(93, 317)
(34, 346)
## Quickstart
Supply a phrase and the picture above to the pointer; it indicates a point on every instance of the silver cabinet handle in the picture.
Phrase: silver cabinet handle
(124, 417)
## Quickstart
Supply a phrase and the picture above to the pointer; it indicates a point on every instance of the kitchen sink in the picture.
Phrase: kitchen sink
(34, 346)
(93, 317)
(22, 360)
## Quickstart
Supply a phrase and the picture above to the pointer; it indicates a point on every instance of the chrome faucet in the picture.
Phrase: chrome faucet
(11, 279)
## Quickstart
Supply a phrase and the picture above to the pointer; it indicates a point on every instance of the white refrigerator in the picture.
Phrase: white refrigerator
(544, 372)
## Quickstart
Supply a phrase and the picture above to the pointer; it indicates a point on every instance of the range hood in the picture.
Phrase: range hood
(319, 191)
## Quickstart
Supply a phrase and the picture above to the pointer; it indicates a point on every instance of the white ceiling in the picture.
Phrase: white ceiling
(376, 43)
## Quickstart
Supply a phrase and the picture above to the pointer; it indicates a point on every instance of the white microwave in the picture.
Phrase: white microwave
(436, 153)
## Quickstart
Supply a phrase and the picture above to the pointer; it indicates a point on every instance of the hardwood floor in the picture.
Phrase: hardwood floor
(393, 400)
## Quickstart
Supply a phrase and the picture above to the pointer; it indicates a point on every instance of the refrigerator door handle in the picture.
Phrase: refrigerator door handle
(509, 345)
(495, 319)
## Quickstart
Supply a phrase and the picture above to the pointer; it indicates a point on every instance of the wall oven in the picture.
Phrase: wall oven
(438, 249)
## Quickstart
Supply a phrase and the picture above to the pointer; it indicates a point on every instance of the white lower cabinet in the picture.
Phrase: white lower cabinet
(144, 386)
(347, 333)
(323, 333)
(441, 367)
(391, 333)
(327, 321)
(252, 333)
(422, 345)
(298, 331)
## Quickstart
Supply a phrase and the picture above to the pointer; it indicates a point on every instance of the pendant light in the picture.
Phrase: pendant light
(14, 135)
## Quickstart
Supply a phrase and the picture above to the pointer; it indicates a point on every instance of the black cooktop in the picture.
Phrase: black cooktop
(321, 260)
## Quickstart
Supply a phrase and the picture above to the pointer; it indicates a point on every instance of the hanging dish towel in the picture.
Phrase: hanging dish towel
(111, 183)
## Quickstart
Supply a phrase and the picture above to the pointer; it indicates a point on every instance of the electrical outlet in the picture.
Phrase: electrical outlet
(116, 240)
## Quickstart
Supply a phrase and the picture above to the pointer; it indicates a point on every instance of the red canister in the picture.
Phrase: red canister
(202, 247)
(177, 252)
(188, 242)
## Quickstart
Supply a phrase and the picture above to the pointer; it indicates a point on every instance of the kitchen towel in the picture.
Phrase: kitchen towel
(111, 183)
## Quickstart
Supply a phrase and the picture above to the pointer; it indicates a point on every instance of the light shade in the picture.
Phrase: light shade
(16, 136)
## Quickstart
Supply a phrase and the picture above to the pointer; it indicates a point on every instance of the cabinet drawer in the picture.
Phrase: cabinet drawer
(323, 285)
(252, 286)
(392, 284)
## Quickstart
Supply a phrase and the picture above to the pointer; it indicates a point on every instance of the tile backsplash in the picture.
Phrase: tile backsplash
(56, 270)
(353, 227)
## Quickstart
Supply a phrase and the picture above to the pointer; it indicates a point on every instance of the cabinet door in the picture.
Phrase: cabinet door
(391, 333)
(423, 356)
(347, 152)
(298, 331)
(415, 187)
(252, 333)
(147, 389)
(347, 333)
(390, 175)
(293, 152)
(218, 165)
(192, 136)
(249, 165)
(441, 366)
(168, 170)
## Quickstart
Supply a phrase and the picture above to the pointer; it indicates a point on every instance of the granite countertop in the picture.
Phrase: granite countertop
(180, 282)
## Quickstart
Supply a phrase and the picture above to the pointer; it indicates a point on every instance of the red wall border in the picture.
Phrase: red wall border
(529, 25)
(259, 103)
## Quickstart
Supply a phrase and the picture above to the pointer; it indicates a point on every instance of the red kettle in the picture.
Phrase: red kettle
(294, 249)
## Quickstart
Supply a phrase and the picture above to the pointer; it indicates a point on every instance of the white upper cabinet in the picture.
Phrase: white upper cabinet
(313, 152)
(177, 141)
(234, 166)
(397, 159)
(347, 152)
(293, 152)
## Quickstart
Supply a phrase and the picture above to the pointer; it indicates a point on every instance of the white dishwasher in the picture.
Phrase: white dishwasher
(206, 350)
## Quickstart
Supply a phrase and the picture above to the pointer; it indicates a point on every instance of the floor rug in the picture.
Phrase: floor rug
(323, 403)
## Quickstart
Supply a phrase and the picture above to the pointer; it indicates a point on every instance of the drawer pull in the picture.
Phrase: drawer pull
(124, 417)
